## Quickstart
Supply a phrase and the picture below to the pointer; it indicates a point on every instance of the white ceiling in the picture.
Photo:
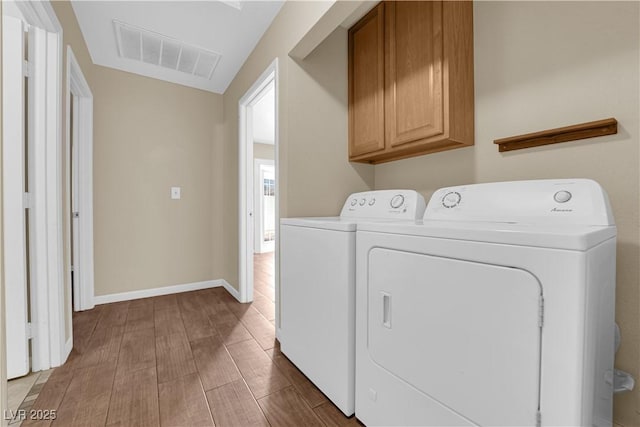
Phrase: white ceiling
(217, 26)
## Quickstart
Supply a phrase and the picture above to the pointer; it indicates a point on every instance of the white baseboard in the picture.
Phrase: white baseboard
(165, 290)
(231, 290)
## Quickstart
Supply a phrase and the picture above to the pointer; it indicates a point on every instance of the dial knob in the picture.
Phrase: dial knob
(562, 196)
(451, 199)
(397, 201)
(362, 202)
(353, 202)
(372, 202)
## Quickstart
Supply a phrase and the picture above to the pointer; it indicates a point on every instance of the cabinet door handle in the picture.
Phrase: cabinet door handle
(386, 310)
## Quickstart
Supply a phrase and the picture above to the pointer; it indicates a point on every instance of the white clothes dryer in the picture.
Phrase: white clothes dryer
(497, 309)
(317, 288)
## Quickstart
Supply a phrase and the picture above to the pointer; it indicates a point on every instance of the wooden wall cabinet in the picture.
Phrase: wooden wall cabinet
(411, 80)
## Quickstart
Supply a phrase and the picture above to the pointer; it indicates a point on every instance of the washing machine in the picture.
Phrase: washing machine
(497, 309)
(317, 288)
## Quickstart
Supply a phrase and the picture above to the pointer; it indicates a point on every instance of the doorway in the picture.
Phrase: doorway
(259, 188)
(264, 215)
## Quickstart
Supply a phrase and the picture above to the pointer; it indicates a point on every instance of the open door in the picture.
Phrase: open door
(15, 198)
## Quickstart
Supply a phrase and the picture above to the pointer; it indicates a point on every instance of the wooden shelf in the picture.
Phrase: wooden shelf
(554, 136)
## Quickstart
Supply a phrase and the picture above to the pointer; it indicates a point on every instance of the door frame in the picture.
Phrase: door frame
(47, 297)
(77, 86)
(246, 195)
(258, 220)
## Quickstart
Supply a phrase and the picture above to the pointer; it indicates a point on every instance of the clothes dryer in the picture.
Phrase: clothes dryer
(497, 309)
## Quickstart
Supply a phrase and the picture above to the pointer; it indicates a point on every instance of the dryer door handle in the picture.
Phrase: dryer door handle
(386, 310)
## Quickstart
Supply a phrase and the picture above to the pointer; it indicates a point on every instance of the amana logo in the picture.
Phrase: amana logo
(561, 210)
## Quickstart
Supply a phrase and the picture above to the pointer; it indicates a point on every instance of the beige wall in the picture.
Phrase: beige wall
(542, 65)
(144, 145)
(264, 151)
(315, 175)
(150, 135)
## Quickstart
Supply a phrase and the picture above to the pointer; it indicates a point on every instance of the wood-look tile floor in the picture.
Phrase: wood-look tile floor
(191, 359)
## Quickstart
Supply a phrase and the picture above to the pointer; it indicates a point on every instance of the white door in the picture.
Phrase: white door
(461, 333)
(14, 185)
(75, 229)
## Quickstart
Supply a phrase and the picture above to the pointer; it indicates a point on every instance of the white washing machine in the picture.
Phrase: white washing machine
(317, 288)
(497, 309)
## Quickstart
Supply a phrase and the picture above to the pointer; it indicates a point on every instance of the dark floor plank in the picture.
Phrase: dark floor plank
(141, 302)
(258, 370)
(232, 332)
(190, 302)
(168, 321)
(114, 314)
(137, 351)
(214, 363)
(306, 388)
(85, 323)
(183, 403)
(197, 325)
(135, 399)
(331, 416)
(174, 357)
(287, 408)
(86, 401)
(140, 317)
(265, 306)
(233, 405)
(103, 347)
(165, 302)
(260, 328)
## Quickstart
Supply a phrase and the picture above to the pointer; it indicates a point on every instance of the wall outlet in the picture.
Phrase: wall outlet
(175, 193)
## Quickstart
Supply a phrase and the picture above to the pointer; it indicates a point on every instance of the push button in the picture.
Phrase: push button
(562, 196)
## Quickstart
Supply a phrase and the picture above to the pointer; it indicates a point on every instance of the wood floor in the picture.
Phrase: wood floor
(192, 359)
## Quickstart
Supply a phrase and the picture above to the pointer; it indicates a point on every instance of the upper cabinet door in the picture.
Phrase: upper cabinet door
(366, 84)
(414, 71)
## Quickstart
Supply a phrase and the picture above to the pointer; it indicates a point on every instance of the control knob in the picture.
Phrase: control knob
(397, 201)
(451, 199)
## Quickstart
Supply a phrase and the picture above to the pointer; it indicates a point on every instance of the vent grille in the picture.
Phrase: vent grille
(138, 44)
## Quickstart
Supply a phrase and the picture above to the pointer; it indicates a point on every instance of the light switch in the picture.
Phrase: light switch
(175, 193)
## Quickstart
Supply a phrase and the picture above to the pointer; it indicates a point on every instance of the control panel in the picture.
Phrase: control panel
(559, 201)
(381, 204)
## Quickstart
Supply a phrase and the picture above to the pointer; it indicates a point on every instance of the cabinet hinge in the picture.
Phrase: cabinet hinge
(26, 68)
(538, 419)
(29, 331)
(541, 312)
(27, 201)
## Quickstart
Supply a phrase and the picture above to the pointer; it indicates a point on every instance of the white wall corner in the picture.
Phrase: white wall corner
(233, 291)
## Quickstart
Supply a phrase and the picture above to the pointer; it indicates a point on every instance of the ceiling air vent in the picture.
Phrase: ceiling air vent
(138, 44)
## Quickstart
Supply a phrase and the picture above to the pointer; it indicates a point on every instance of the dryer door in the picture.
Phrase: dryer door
(462, 333)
